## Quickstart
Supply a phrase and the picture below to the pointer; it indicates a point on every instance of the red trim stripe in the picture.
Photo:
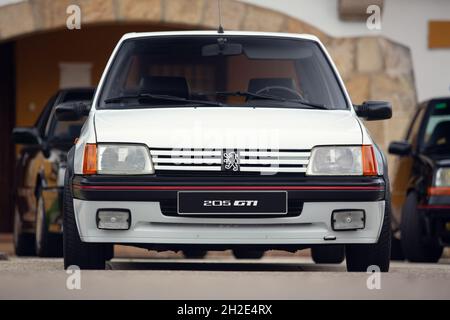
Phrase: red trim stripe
(176, 188)
(439, 191)
(434, 206)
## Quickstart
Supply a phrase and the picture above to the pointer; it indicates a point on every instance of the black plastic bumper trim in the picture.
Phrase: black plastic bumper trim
(153, 188)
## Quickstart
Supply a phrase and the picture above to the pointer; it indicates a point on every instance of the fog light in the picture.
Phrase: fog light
(348, 219)
(113, 219)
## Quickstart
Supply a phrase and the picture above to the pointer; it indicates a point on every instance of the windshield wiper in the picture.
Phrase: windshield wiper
(248, 94)
(161, 97)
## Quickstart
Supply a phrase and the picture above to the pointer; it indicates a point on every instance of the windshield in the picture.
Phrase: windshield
(226, 70)
(437, 129)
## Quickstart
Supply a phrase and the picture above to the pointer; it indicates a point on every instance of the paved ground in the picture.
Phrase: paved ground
(219, 278)
(138, 274)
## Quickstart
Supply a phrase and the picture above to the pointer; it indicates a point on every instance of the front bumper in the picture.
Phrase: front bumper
(308, 221)
(437, 218)
(436, 206)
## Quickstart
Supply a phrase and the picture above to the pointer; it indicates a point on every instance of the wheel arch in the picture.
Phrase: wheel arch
(70, 163)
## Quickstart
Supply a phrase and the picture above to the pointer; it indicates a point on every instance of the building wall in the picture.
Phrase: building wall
(38, 57)
(403, 21)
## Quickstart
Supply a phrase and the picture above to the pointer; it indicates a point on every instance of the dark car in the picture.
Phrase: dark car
(421, 186)
(39, 177)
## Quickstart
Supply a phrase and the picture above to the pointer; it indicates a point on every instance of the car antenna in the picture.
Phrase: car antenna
(220, 30)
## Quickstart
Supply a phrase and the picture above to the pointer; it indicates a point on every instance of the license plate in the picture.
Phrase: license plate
(232, 202)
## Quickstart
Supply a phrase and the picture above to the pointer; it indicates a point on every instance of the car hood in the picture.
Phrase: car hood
(237, 128)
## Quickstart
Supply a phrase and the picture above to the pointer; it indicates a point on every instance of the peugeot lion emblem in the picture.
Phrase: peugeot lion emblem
(231, 161)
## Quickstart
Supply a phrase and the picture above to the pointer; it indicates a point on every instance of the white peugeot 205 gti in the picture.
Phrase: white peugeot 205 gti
(246, 141)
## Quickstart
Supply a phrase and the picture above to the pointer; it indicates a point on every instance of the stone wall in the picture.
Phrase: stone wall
(30, 16)
(372, 67)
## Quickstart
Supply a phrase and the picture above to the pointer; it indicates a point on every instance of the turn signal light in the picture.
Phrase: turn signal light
(90, 159)
(439, 191)
(369, 162)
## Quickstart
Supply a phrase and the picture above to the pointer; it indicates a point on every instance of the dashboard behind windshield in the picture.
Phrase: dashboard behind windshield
(200, 68)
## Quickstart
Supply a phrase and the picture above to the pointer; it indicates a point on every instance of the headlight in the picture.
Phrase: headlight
(342, 161)
(442, 177)
(123, 159)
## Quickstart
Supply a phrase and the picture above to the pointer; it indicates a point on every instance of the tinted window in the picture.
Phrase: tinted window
(436, 134)
(41, 122)
(186, 67)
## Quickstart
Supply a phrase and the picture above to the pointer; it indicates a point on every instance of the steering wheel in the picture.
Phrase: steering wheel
(292, 94)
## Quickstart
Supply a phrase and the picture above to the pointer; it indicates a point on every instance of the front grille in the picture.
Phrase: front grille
(169, 208)
(250, 160)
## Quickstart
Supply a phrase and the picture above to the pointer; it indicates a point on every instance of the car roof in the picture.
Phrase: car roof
(426, 103)
(137, 35)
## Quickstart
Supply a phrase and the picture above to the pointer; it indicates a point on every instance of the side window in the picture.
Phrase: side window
(41, 122)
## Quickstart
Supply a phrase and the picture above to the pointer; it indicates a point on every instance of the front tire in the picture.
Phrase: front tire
(47, 244)
(328, 254)
(77, 253)
(396, 250)
(362, 256)
(248, 254)
(412, 234)
(23, 242)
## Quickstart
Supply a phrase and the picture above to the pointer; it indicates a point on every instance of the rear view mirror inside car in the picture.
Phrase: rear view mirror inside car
(222, 48)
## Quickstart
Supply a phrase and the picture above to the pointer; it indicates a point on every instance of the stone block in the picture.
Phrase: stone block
(343, 54)
(369, 57)
(186, 12)
(16, 19)
(260, 19)
(140, 10)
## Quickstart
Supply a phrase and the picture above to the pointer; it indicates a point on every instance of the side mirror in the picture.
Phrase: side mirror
(374, 110)
(400, 148)
(26, 136)
(72, 111)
